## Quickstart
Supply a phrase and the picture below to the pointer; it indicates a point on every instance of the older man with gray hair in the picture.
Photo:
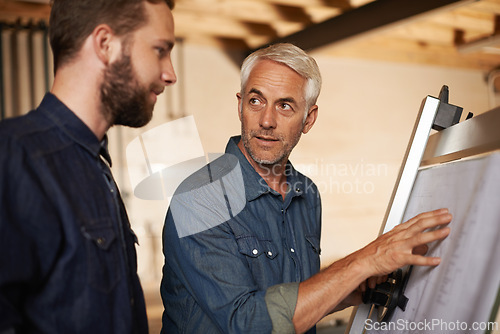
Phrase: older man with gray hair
(242, 235)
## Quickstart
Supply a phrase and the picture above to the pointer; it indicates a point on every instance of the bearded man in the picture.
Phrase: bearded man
(68, 260)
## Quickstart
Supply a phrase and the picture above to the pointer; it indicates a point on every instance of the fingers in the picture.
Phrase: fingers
(420, 250)
(362, 286)
(427, 220)
(428, 261)
(381, 279)
(419, 241)
(371, 282)
(428, 214)
(406, 244)
(420, 230)
(375, 280)
(427, 237)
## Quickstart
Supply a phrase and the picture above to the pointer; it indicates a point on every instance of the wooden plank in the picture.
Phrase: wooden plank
(11, 11)
(488, 6)
(425, 32)
(245, 10)
(321, 13)
(341, 4)
(467, 20)
(408, 35)
(187, 23)
(367, 19)
(406, 51)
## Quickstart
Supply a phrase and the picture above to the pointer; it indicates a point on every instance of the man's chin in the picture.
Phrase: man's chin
(137, 122)
(267, 160)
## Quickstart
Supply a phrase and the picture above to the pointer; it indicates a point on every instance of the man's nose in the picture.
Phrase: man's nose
(168, 73)
(268, 118)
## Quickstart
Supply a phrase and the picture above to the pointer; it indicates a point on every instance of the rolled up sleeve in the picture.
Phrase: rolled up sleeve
(281, 300)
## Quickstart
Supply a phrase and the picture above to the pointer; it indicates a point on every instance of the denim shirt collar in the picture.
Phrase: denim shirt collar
(255, 185)
(73, 127)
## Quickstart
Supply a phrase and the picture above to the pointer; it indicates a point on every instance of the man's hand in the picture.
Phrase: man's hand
(372, 282)
(406, 244)
(341, 283)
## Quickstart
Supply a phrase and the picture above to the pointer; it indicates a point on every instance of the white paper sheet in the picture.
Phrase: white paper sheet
(458, 295)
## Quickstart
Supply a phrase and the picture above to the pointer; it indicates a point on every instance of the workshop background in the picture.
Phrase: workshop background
(379, 59)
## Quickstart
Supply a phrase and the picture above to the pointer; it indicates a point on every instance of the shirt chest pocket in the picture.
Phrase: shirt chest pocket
(253, 247)
(103, 260)
(262, 259)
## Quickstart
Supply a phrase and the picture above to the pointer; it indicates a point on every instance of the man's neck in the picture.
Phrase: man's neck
(82, 99)
(274, 174)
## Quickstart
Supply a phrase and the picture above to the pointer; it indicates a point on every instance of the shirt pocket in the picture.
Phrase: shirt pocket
(314, 251)
(253, 247)
(262, 259)
(103, 269)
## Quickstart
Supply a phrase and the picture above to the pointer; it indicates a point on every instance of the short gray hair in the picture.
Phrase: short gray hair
(291, 56)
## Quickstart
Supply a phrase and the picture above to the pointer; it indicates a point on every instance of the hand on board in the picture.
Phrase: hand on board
(405, 244)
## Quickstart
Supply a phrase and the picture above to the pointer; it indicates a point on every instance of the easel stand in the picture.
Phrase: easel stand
(474, 136)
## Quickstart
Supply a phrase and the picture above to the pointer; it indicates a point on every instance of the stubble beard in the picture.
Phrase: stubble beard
(281, 157)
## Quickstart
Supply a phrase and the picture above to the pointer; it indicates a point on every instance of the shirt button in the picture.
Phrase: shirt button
(292, 250)
(270, 253)
(100, 241)
(255, 251)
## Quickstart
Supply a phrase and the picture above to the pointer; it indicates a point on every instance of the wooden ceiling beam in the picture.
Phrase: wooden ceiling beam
(424, 32)
(431, 32)
(187, 24)
(407, 51)
(293, 14)
(369, 18)
(344, 5)
(487, 6)
(465, 19)
(11, 11)
(486, 45)
(245, 10)
(322, 13)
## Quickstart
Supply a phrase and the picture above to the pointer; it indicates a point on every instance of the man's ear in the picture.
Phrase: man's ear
(312, 115)
(238, 96)
(106, 43)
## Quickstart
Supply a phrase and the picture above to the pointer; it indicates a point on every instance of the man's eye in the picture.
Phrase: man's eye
(160, 51)
(254, 101)
(285, 106)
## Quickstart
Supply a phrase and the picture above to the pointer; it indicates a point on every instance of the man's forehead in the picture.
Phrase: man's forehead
(279, 88)
(160, 21)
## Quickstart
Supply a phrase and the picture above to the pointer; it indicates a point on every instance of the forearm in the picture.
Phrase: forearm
(324, 292)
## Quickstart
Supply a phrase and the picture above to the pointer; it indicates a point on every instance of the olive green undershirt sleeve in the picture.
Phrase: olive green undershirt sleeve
(281, 300)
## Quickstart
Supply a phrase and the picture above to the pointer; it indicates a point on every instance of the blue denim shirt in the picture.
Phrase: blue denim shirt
(67, 253)
(231, 277)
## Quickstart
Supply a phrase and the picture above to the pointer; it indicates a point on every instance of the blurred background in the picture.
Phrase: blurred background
(379, 60)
